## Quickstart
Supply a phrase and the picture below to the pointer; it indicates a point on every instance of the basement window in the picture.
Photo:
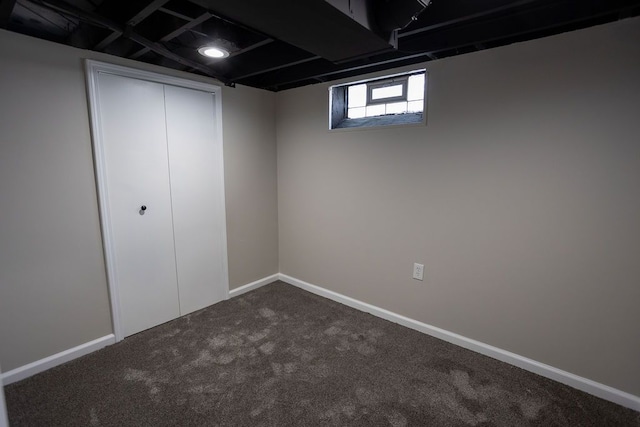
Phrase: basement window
(391, 100)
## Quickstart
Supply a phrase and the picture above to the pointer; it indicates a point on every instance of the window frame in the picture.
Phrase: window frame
(402, 81)
(338, 119)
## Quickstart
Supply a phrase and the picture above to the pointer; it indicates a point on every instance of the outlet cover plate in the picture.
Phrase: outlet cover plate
(418, 271)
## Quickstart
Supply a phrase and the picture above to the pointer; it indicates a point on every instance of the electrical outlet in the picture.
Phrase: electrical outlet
(418, 271)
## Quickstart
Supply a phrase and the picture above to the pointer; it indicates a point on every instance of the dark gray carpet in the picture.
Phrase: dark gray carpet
(280, 356)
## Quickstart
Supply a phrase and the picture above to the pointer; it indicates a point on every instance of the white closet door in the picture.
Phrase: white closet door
(137, 174)
(196, 189)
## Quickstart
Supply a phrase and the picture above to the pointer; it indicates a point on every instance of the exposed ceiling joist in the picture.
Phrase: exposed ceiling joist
(312, 25)
(519, 22)
(470, 13)
(277, 67)
(252, 47)
(100, 21)
(175, 33)
(6, 8)
(364, 68)
(282, 44)
(445, 38)
(148, 10)
(107, 41)
(135, 20)
(174, 13)
(469, 16)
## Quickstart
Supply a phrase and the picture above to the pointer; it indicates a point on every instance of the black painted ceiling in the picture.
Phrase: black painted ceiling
(282, 44)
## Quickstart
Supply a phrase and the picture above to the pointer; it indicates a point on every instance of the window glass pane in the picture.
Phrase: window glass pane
(356, 113)
(357, 96)
(416, 88)
(386, 92)
(415, 106)
(375, 110)
(396, 108)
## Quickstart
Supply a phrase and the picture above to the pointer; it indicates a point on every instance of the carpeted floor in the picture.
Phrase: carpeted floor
(279, 356)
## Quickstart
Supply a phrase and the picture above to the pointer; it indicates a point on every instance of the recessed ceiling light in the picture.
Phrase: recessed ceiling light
(213, 52)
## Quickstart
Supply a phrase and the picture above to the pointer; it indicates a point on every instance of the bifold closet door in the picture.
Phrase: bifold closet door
(196, 196)
(134, 140)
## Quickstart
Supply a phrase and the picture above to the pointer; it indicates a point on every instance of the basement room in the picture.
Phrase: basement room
(319, 213)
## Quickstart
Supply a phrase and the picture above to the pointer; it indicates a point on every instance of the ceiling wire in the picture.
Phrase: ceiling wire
(414, 18)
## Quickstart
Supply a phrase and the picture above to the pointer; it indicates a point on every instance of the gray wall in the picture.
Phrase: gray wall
(521, 196)
(53, 290)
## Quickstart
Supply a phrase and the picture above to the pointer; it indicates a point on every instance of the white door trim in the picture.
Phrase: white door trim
(4, 419)
(93, 68)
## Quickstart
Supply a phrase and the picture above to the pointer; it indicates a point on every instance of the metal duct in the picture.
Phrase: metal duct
(337, 30)
(383, 17)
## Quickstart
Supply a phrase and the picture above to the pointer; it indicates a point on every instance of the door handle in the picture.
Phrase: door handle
(143, 208)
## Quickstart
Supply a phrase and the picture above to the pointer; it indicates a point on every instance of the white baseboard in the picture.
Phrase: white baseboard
(253, 285)
(597, 389)
(57, 359)
(73, 353)
(600, 390)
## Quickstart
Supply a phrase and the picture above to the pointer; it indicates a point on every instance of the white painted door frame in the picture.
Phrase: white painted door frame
(4, 420)
(93, 69)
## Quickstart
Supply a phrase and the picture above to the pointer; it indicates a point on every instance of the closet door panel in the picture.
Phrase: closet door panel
(196, 197)
(137, 173)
